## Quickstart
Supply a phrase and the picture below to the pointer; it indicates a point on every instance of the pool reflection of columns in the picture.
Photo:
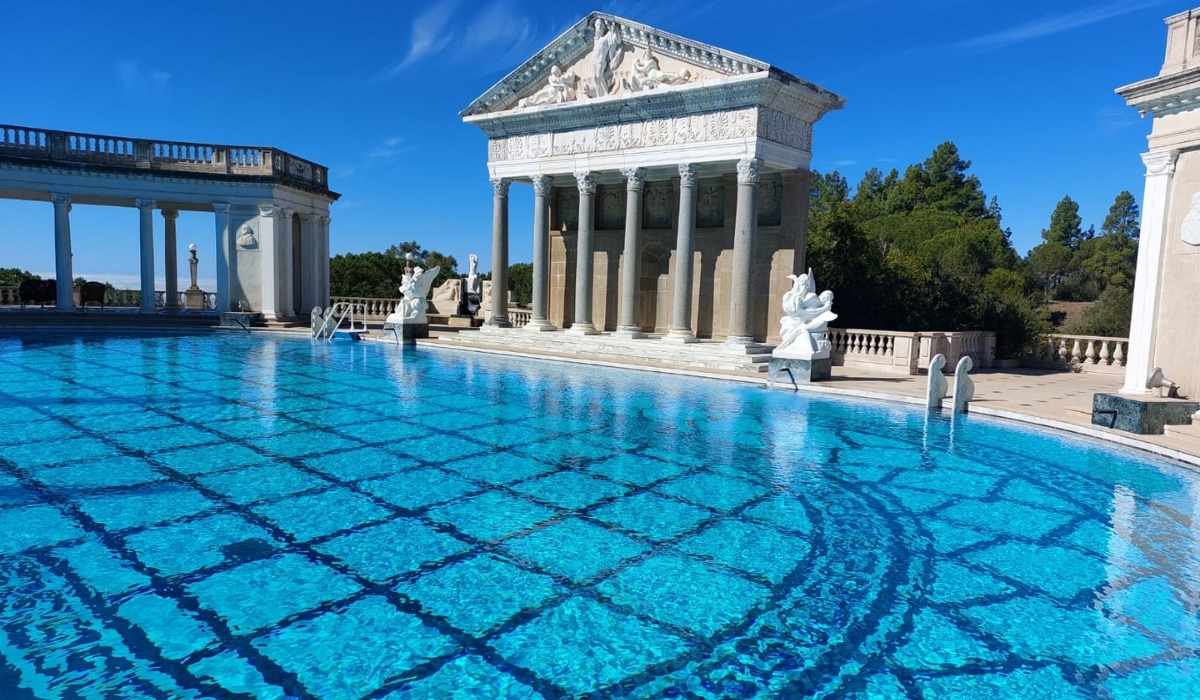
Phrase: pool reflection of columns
(582, 324)
(146, 230)
(541, 256)
(64, 276)
(170, 261)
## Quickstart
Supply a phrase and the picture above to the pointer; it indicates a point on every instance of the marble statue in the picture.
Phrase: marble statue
(474, 290)
(935, 390)
(193, 297)
(803, 330)
(559, 88)
(1190, 231)
(647, 74)
(607, 47)
(964, 386)
(246, 240)
(414, 286)
(193, 263)
(447, 299)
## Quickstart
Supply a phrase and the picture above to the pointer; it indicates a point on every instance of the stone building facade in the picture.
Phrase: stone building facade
(640, 144)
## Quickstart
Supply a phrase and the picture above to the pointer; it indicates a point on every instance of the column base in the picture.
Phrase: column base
(582, 329)
(680, 336)
(540, 325)
(498, 323)
(629, 332)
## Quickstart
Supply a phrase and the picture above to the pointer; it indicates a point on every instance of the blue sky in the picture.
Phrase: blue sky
(373, 91)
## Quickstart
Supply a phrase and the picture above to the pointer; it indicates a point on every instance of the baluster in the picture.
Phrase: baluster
(1063, 354)
(1090, 355)
(1119, 354)
(1077, 351)
(1105, 358)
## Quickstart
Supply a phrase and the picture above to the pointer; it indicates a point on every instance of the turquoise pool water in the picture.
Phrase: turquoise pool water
(217, 515)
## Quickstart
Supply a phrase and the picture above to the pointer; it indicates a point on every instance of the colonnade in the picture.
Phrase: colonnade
(745, 231)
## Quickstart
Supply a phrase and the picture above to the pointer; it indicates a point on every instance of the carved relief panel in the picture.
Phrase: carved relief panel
(710, 204)
(610, 207)
(566, 204)
(657, 204)
(770, 199)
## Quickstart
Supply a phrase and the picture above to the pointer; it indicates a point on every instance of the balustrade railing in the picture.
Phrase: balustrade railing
(1085, 353)
(372, 308)
(149, 154)
(519, 317)
(120, 298)
(9, 296)
(890, 351)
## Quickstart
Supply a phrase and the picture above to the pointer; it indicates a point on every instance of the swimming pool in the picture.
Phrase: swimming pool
(199, 516)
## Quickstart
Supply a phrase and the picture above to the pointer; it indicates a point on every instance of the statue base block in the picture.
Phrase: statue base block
(1143, 415)
(408, 333)
(789, 373)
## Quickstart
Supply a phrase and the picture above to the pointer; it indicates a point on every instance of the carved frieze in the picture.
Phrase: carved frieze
(710, 204)
(657, 205)
(788, 129)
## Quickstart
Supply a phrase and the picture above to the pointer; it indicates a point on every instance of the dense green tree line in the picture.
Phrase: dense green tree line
(927, 250)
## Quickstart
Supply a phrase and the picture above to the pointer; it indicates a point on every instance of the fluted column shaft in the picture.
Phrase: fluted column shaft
(64, 292)
(541, 256)
(745, 229)
(627, 322)
(681, 299)
(584, 255)
(146, 230)
(499, 314)
(323, 263)
(225, 253)
(170, 259)
(286, 251)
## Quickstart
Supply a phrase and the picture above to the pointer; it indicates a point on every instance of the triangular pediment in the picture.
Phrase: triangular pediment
(603, 55)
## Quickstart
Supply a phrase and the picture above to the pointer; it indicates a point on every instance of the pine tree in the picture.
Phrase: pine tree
(1123, 217)
(1066, 226)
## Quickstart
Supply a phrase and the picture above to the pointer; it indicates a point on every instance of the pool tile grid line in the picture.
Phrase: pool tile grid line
(285, 538)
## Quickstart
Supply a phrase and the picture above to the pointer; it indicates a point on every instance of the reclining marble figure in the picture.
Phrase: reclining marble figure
(447, 297)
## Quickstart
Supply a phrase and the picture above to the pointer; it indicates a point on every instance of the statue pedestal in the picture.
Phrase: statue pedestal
(789, 372)
(193, 299)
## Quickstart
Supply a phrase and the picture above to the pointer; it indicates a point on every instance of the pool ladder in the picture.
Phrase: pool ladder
(328, 324)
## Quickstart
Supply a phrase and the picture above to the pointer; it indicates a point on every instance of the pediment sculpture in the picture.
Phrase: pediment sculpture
(246, 238)
(607, 50)
(559, 88)
(414, 286)
(647, 74)
(804, 328)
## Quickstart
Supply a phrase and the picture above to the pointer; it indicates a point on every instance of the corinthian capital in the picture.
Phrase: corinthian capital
(747, 170)
(634, 178)
(585, 182)
(687, 175)
(143, 203)
(541, 185)
(500, 186)
(61, 200)
(1160, 162)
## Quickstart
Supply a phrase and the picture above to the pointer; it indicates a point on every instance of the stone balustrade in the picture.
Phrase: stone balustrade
(519, 317)
(372, 308)
(120, 298)
(8, 296)
(73, 148)
(889, 351)
(1085, 353)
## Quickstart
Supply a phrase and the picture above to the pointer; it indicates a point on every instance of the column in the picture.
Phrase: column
(541, 257)
(268, 230)
(323, 263)
(745, 228)
(309, 255)
(582, 324)
(63, 273)
(146, 219)
(225, 253)
(1139, 363)
(170, 262)
(283, 242)
(499, 310)
(627, 317)
(681, 295)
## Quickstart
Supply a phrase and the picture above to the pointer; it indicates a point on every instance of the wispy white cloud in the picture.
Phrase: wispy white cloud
(487, 37)
(135, 76)
(429, 36)
(1053, 24)
(389, 148)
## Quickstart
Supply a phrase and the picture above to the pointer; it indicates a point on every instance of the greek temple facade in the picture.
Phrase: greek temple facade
(270, 211)
(670, 182)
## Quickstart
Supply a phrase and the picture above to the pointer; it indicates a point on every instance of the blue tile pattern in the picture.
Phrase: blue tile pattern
(207, 516)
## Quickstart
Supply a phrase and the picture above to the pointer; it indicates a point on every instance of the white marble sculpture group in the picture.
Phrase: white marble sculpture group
(804, 328)
(414, 286)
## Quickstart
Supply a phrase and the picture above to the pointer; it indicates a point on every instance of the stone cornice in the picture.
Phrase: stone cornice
(1164, 94)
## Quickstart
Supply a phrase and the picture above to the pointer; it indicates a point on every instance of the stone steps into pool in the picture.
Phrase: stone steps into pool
(702, 355)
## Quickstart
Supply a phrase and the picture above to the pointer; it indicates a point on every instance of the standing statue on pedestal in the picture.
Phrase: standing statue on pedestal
(474, 292)
(193, 298)
(804, 347)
